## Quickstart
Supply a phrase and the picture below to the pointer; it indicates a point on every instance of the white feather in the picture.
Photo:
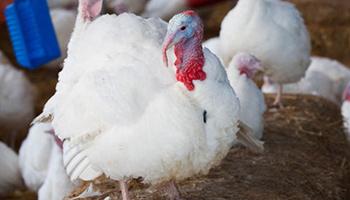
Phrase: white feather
(121, 109)
(251, 100)
(34, 155)
(10, 176)
(324, 77)
(345, 111)
(57, 184)
(16, 97)
(213, 44)
(271, 30)
(41, 164)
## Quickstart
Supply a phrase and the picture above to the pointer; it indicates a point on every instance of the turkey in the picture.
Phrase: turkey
(63, 21)
(34, 155)
(16, 100)
(57, 184)
(324, 77)
(41, 164)
(338, 73)
(10, 176)
(345, 110)
(274, 32)
(121, 112)
(240, 72)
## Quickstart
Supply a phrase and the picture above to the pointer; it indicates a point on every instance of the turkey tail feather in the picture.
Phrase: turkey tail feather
(245, 136)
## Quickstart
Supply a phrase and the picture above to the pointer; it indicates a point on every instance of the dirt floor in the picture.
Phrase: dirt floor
(306, 156)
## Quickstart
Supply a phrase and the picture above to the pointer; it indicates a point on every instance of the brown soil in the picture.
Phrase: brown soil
(306, 157)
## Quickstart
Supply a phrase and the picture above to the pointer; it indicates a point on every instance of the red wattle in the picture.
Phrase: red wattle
(192, 69)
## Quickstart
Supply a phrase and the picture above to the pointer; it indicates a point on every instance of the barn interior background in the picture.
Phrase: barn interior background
(303, 159)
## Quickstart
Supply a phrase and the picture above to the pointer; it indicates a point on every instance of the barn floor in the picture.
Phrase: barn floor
(306, 156)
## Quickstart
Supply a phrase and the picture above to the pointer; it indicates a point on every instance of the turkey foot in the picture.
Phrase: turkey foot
(278, 100)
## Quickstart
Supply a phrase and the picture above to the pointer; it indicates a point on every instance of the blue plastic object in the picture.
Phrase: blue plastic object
(32, 33)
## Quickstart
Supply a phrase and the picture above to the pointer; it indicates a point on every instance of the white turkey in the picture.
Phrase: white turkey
(16, 100)
(240, 72)
(57, 184)
(324, 77)
(345, 110)
(121, 112)
(10, 176)
(274, 32)
(63, 21)
(41, 163)
(338, 73)
(34, 155)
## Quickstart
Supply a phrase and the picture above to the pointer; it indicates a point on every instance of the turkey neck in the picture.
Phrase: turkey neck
(190, 61)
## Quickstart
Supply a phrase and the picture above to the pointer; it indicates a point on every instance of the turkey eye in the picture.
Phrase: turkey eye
(183, 28)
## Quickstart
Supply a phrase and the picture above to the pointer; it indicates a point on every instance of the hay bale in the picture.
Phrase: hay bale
(306, 158)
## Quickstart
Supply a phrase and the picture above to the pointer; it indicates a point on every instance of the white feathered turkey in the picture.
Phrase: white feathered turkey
(274, 32)
(16, 100)
(345, 110)
(63, 21)
(240, 72)
(10, 176)
(121, 112)
(41, 164)
(324, 77)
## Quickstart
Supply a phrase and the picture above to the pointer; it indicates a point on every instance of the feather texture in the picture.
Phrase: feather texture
(271, 30)
(10, 176)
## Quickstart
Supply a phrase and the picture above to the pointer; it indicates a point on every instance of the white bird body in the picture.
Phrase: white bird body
(10, 176)
(251, 99)
(122, 112)
(34, 155)
(63, 21)
(345, 111)
(57, 184)
(213, 44)
(324, 77)
(336, 72)
(271, 30)
(41, 164)
(16, 98)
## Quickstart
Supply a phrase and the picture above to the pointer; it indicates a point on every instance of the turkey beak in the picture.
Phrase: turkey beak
(167, 44)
